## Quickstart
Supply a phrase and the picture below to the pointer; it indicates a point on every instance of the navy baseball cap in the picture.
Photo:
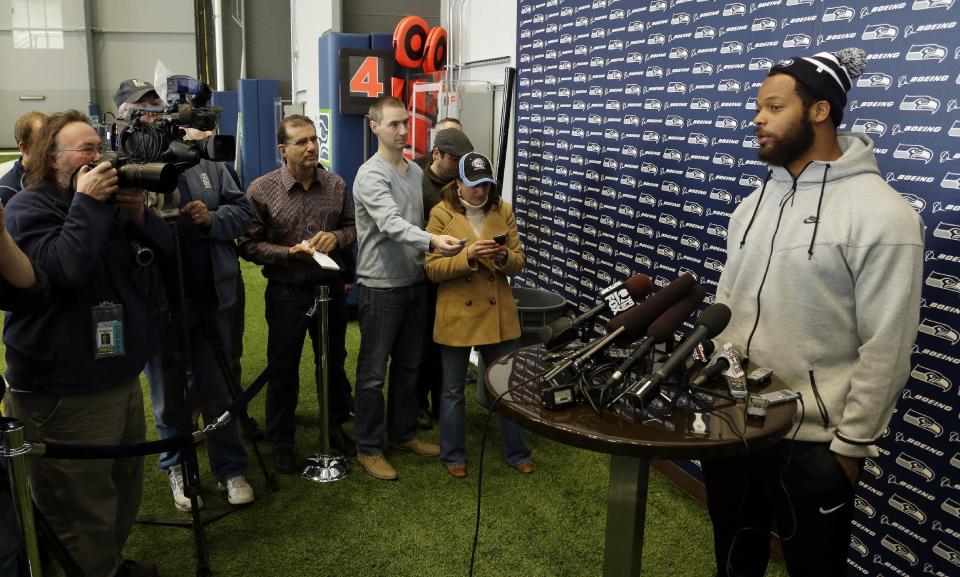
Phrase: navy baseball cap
(132, 90)
(475, 169)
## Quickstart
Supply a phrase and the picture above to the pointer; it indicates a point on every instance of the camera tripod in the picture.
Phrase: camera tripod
(184, 316)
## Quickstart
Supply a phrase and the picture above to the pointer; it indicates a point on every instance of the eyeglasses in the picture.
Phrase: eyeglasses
(85, 150)
(304, 141)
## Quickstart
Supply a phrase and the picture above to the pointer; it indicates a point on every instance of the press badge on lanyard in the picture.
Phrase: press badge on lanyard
(108, 330)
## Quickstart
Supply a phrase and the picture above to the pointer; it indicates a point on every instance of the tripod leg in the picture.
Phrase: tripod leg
(191, 482)
(247, 423)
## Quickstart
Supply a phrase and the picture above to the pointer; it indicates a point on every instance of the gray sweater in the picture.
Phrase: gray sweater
(823, 276)
(389, 217)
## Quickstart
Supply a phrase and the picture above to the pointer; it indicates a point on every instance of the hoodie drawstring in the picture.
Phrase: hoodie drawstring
(816, 222)
(756, 209)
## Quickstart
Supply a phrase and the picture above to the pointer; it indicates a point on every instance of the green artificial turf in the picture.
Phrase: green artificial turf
(548, 524)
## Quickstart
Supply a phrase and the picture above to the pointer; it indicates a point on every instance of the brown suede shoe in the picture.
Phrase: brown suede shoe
(378, 467)
(456, 471)
(422, 448)
(525, 468)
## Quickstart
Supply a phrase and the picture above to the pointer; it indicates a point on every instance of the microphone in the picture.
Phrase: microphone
(628, 324)
(703, 352)
(711, 321)
(660, 330)
(727, 363)
(618, 297)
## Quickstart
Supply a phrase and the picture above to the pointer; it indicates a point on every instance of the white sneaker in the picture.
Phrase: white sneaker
(180, 501)
(239, 492)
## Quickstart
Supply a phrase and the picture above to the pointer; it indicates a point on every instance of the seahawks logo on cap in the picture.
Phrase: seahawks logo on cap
(478, 163)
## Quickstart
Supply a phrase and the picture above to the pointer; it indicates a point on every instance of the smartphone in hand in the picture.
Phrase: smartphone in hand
(500, 238)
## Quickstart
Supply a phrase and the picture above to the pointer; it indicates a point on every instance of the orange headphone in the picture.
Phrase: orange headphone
(410, 40)
(436, 53)
(414, 43)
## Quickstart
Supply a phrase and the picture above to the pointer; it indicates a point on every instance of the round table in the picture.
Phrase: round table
(632, 440)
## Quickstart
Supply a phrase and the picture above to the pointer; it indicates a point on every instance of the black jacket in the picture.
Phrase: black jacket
(83, 246)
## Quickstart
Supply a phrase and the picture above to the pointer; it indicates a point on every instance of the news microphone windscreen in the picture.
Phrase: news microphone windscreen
(662, 328)
(639, 286)
(639, 317)
(715, 318)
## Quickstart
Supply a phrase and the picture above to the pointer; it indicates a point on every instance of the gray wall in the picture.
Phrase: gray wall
(128, 41)
(104, 42)
(365, 16)
(268, 42)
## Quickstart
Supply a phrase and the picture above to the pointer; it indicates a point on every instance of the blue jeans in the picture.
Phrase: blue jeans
(453, 443)
(286, 306)
(170, 411)
(392, 322)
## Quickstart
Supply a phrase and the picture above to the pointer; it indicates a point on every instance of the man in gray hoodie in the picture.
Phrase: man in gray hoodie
(393, 299)
(823, 275)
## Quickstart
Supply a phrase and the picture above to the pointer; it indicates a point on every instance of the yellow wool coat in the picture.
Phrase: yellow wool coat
(475, 305)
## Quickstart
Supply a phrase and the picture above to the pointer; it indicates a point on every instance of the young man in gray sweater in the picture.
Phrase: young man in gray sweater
(392, 301)
(823, 275)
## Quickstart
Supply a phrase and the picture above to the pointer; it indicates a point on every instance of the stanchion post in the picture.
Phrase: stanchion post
(16, 450)
(324, 467)
(324, 368)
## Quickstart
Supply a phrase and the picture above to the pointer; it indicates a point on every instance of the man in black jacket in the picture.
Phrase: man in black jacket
(73, 368)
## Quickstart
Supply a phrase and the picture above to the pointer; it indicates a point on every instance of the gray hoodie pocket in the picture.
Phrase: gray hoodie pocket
(821, 406)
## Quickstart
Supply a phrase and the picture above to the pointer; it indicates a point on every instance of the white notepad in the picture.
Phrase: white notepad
(322, 259)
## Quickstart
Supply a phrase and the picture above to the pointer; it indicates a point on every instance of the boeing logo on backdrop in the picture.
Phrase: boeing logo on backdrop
(639, 163)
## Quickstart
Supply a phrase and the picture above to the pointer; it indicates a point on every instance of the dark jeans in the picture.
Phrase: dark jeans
(745, 495)
(391, 327)
(286, 306)
(431, 365)
(9, 532)
(166, 375)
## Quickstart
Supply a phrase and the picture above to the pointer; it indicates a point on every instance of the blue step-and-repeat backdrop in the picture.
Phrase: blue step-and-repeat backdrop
(634, 144)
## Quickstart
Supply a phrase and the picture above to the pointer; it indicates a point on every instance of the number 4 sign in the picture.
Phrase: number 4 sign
(366, 79)
(364, 74)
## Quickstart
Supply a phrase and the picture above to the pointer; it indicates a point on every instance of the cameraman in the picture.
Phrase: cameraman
(211, 213)
(73, 368)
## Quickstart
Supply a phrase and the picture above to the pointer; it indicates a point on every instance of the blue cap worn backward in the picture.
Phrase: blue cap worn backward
(475, 169)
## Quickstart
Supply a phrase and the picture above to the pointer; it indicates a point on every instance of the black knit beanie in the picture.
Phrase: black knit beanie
(828, 76)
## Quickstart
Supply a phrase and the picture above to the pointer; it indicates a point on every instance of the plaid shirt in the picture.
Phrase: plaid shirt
(284, 214)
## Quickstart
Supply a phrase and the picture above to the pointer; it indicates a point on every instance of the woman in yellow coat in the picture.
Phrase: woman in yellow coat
(475, 306)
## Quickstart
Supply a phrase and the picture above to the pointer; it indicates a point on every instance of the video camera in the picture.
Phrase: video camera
(150, 148)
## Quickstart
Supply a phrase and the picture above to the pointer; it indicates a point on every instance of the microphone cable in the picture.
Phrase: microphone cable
(588, 384)
(743, 501)
(483, 449)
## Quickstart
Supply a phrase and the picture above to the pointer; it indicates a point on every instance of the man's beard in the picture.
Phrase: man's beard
(64, 176)
(794, 142)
